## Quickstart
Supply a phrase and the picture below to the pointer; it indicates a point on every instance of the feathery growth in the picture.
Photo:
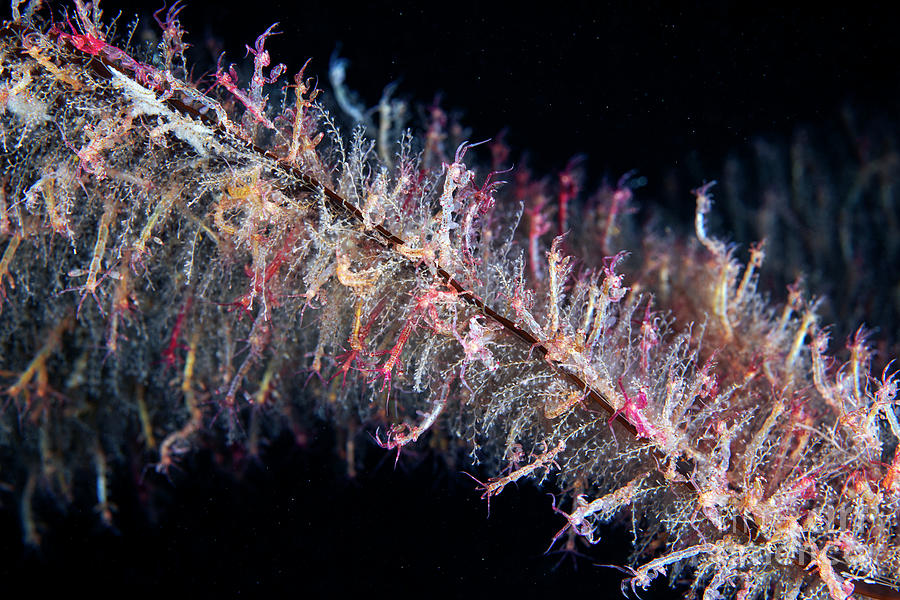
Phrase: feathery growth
(197, 266)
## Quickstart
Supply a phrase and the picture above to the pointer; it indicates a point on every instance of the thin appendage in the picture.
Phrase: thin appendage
(386, 370)
(838, 587)
(403, 434)
(159, 214)
(646, 573)
(39, 362)
(5, 263)
(495, 485)
(606, 505)
(560, 268)
(93, 273)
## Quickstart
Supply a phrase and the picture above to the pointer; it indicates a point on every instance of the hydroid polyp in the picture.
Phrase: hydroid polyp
(236, 235)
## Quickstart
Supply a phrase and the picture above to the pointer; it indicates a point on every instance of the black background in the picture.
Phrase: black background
(660, 89)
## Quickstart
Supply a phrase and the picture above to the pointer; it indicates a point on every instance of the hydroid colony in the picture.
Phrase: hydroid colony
(201, 267)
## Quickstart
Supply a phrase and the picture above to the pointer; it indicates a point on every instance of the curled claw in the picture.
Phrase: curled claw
(171, 15)
(464, 147)
(376, 437)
